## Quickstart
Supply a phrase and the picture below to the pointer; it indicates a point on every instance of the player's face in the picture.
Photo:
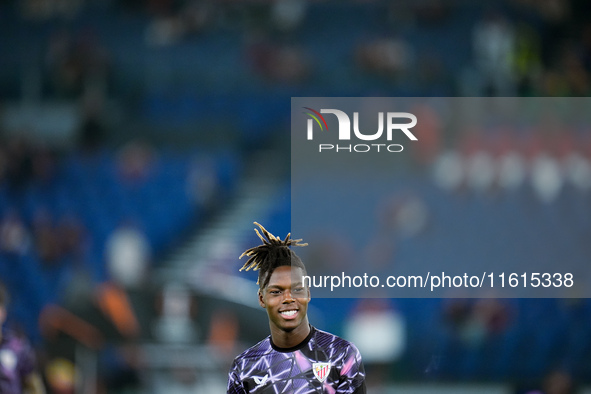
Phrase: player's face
(286, 299)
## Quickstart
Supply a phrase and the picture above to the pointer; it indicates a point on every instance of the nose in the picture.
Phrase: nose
(287, 297)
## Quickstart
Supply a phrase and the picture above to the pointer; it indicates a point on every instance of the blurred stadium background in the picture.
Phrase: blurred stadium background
(141, 138)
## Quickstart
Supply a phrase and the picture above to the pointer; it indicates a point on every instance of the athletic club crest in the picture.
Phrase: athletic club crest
(321, 371)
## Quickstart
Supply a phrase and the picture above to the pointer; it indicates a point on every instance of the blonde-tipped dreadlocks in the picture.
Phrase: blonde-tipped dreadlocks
(273, 253)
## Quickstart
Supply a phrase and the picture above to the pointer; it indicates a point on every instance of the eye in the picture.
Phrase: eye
(274, 292)
(299, 290)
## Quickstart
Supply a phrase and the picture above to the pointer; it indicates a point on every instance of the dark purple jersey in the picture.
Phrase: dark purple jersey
(322, 363)
(17, 361)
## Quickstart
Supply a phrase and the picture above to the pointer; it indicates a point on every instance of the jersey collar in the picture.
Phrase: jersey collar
(296, 347)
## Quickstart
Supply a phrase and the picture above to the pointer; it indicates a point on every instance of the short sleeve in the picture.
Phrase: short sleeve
(352, 373)
(234, 383)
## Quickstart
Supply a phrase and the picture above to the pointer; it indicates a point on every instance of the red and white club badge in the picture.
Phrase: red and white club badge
(321, 371)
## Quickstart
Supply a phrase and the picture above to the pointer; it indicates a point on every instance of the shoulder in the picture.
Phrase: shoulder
(14, 342)
(254, 352)
(325, 339)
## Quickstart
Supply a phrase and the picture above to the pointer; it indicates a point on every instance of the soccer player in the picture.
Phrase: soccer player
(17, 360)
(296, 357)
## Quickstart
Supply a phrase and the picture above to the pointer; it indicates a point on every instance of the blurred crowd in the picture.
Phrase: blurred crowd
(369, 47)
(509, 48)
(72, 278)
(499, 163)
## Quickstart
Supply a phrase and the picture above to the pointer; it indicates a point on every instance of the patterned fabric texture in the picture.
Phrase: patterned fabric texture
(322, 363)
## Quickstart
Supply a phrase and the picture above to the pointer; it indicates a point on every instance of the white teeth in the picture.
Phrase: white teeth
(288, 313)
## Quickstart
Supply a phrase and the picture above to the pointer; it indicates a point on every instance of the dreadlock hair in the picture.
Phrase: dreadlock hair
(273, 253)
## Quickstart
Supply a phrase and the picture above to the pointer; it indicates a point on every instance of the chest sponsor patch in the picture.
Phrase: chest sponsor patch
(261, 381)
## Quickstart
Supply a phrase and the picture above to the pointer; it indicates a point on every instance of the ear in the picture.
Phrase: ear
(309, 295)
(261, 299)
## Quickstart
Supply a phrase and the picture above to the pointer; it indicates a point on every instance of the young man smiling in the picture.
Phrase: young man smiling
(296, 357)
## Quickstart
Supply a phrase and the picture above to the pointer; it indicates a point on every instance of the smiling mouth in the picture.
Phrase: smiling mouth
(288, 314)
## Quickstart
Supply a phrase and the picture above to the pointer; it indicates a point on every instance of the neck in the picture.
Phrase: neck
(287, 339)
